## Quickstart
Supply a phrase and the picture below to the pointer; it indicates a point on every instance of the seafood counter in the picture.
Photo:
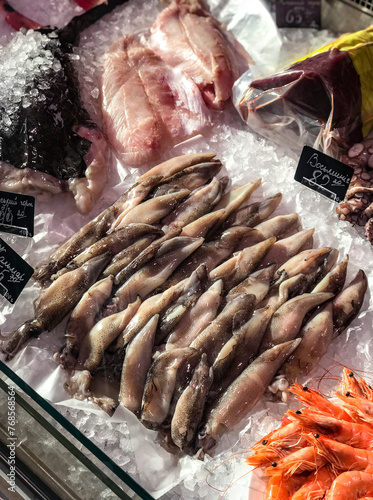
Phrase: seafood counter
(176, 310)
(193, 314)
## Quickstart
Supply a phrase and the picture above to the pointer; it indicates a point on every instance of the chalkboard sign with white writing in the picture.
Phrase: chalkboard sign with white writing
(17, 213)
(14, 273)
(323, 174)
(298, 13)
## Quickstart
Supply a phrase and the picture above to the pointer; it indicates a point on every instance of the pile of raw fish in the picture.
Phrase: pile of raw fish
(153, 94)
(324, 449)
(192, 299)
(357, 208)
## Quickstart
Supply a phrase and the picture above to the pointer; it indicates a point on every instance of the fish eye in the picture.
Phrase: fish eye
(305, 388)
(274, 464)
(348, 393)
(351, 374)
(316, 436)
(202, 433)
(265, 441)
(298, 412)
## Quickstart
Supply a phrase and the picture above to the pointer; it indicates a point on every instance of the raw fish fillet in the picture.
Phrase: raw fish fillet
(184, 35)
(144, 107)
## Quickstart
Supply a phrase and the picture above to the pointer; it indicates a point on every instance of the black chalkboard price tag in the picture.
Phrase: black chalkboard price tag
(14, 273)
(323, 174)
(17, 213)
(298, 13)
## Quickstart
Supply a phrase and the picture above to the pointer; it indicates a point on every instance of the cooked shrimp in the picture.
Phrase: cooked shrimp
(315, 400)
(361, 405)
(351, 485)
(284, 437)
(366, 388)
(350, 383)
(267, 456)
(356, 435)
(281, 487)
(340, 455)
(316, 485)
(307, 458)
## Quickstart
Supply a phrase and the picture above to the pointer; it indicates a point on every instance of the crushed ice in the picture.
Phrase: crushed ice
(27, 57)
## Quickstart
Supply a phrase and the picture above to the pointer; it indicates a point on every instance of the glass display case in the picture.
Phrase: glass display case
(65, 432)
(53, 459)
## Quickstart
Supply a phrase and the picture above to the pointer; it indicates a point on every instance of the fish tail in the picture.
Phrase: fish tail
(70, 33)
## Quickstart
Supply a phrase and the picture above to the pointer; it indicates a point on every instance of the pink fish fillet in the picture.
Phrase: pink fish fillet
(139, 107)
(184, 35)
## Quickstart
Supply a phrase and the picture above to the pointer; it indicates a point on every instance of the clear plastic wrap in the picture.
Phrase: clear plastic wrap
(323, 100)
(246, 158)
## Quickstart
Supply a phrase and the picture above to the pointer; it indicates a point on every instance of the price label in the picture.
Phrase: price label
(298, 13)
(17, 213)
(14, 273)
(323, 174)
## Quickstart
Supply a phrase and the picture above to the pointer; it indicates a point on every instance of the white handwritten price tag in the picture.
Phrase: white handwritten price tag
(323, 174)
(298, 13)
(14, 273)
(17, 213)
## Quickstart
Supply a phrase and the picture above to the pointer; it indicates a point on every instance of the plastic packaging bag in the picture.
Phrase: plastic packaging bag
(324, 100)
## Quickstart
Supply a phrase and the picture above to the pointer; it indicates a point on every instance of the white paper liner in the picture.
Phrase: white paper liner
(245, 157)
